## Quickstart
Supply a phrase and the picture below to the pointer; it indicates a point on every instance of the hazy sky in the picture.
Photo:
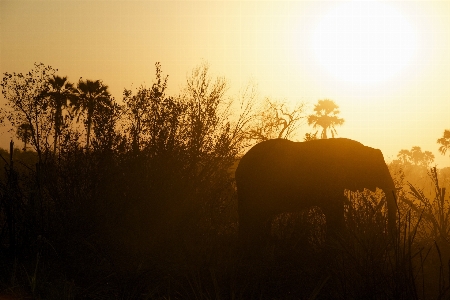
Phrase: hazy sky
(386, 64)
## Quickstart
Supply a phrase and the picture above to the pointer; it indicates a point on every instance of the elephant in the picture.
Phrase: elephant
(280, 176)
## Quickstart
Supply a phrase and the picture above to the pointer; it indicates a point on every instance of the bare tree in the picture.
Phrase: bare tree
(276, 120)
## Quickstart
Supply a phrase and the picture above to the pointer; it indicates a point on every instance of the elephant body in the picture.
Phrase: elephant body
(279, 176)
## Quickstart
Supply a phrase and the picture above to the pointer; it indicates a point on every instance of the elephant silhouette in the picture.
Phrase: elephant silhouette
(279, 176)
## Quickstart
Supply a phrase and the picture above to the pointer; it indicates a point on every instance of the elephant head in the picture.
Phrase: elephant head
(278, 176)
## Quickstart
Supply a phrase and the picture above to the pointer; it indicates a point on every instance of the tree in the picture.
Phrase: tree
(27, 104)
(411, 166)
(91, 96)
(326, 116)
(416, 157)
(276, 120)
(136, 108)
(106, 137)
(60, 92)
(207, 112)
(183, 148)
(24, 134)
(152, 119)
(444, 141)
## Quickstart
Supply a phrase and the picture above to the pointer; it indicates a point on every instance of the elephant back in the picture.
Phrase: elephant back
(330, 163)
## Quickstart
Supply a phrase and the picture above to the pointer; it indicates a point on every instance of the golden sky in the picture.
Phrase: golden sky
(385, 63)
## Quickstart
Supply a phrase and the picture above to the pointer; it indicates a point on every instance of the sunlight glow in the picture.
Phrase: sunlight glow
(364, 42)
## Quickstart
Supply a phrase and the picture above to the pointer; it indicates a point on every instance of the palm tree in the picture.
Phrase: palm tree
(24, 134)
(92, 96)
(59, 93)
(325, 116)
(445, 142)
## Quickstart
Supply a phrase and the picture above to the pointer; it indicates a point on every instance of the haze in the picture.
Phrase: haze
(387, 64)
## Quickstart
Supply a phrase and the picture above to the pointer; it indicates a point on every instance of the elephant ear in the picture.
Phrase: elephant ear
(365, 168)
(375, 170)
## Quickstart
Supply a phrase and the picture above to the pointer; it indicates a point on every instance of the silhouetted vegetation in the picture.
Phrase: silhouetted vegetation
(276, 120)
(140, 202)
(325, 115)
(444, 141)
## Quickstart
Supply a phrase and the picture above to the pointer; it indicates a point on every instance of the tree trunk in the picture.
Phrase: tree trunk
(89, 120)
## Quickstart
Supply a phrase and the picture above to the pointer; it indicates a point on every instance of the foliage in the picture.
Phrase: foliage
(24, 134)
(91, 98)
(106, 135)
(326, 116)
(150, 211)
(60, 92)
(27, 104)
(174, 165)
(444, 141)
(411, 167)
(435, 212)
(207, 111)
(152, 118)
(416, 156)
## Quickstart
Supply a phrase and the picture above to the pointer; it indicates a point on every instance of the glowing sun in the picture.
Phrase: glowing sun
(364, 42)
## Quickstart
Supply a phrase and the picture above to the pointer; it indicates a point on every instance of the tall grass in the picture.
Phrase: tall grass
(117, 250)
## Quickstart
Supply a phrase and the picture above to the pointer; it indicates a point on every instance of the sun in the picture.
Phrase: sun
(364, 42)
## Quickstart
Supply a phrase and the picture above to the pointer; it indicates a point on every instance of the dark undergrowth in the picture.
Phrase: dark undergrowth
(77, 238)
(146, 207)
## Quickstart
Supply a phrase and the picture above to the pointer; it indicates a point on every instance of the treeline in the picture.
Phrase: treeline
(110, 188)
(135, 199)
